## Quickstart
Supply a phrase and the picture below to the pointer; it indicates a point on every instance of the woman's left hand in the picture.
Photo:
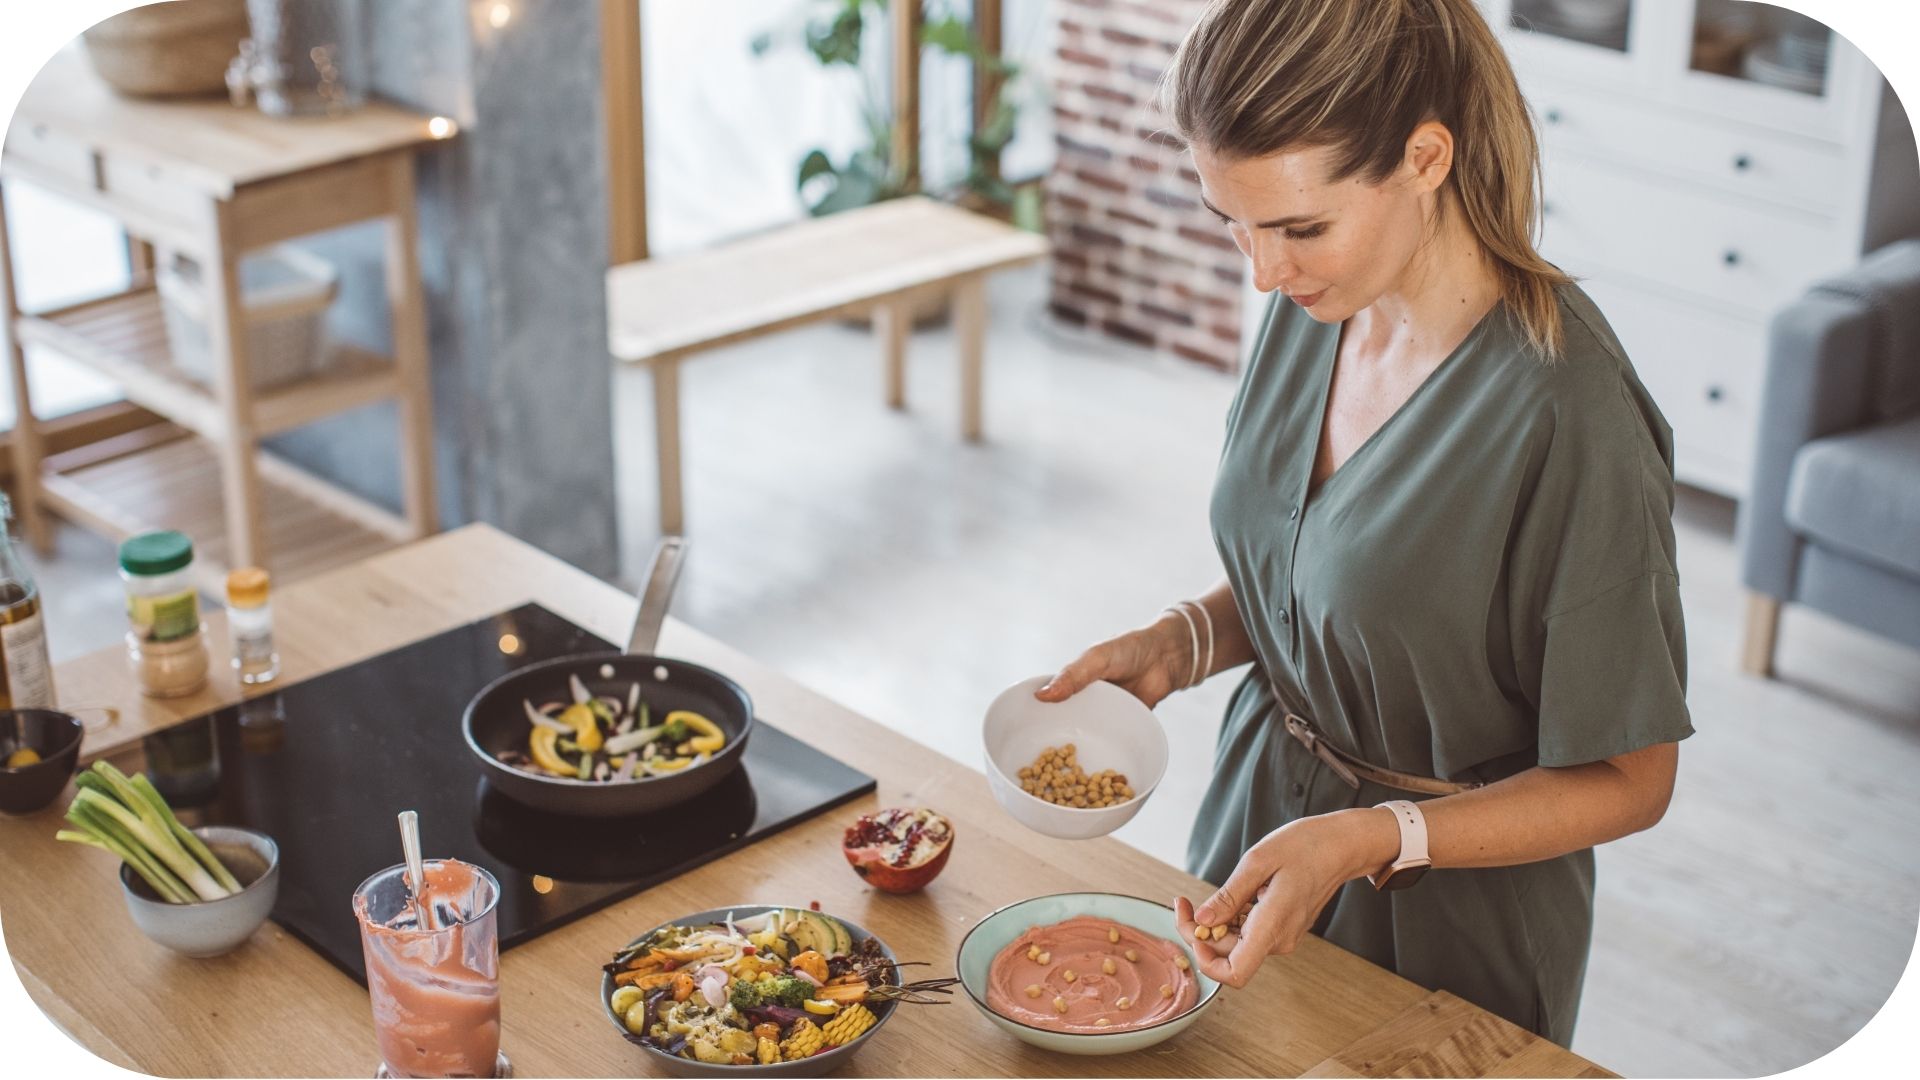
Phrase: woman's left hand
(1292, 872)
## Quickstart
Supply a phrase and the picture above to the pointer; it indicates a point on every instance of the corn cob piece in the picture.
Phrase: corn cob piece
(768, 1051)
(802, 1041)
(852, 1022)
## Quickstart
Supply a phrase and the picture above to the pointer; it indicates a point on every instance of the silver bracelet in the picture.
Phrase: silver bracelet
(1193, 637)
(1206, 669)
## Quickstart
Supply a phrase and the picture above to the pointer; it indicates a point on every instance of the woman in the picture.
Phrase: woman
(1444, 509)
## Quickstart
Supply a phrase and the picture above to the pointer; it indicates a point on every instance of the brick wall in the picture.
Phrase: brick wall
(1136, 256)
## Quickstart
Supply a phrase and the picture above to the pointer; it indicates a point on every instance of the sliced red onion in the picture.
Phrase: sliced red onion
(580, 695)
(803, 974)
(537, 720)
(627, 766)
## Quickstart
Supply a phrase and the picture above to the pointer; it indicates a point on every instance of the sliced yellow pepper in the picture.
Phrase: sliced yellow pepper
(585, 725)
(710, 738)
(670, 764)
(546, 754)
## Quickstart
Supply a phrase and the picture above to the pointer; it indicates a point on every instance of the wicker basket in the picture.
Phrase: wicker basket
(171, 49)
(284, 294)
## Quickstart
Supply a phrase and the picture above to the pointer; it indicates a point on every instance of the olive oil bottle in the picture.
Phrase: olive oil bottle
(26, 677)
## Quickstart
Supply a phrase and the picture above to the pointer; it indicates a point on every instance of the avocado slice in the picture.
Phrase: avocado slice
(832, 938)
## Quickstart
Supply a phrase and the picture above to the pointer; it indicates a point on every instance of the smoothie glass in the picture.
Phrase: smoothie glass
(435, 988)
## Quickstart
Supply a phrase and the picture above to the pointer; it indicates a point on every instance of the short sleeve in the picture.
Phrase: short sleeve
(1599, 639)
(1613, 673)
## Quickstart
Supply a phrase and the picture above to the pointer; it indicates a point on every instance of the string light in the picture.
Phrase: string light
(499, 15)
(441, 127)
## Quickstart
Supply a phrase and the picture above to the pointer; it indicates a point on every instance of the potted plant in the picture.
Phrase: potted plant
(833, 34)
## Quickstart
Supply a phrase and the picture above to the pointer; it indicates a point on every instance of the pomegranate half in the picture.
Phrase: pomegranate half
(899, 850)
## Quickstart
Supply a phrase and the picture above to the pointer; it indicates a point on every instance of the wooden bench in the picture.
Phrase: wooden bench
(877, 261)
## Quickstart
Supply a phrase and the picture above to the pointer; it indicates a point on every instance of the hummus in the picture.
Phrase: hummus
(1090, 976)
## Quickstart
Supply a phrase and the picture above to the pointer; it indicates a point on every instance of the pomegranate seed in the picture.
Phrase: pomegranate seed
(746, 950)
(815, 905)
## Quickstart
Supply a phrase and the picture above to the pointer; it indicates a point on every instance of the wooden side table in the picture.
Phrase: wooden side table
(877, 260)
(214, 182)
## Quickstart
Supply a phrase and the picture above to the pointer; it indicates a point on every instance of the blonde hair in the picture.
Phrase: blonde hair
(1256, 77)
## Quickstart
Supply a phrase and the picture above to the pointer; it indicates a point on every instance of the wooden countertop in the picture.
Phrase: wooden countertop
(277, 1008)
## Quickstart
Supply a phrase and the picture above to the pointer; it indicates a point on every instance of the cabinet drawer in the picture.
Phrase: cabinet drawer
(49, 154)
(150, 189)
(1751, 259)
(1733, 158)
(1704, 369)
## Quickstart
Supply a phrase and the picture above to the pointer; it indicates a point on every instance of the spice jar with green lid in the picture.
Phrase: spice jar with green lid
(165, 641)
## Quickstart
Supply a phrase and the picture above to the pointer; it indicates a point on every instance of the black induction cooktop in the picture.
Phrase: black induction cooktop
(323, 767)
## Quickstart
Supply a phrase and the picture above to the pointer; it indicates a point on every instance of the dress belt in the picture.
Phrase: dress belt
(1352, 770)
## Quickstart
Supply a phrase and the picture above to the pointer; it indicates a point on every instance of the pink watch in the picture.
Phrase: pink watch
(1413, 862)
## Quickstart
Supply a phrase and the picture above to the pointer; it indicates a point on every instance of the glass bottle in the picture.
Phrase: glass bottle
(26, 675)
(250, 624)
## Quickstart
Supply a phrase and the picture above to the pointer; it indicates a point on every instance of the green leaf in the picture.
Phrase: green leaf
(837, 41)
(814, 164)
(950, 34)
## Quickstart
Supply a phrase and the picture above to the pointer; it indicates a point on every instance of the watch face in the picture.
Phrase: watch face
(1404, 878)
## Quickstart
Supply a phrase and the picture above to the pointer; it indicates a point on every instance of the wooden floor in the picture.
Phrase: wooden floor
(876, 557)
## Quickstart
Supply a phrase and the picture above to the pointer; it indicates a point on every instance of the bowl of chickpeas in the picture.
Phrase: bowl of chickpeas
(1073, 769)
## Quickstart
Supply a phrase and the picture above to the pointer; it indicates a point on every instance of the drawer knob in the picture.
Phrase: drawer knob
(1714, 393)
(1741, 163)
(1731, 258)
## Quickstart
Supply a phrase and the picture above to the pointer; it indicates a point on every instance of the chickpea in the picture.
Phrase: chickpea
(1033, 991)
(1132, 957)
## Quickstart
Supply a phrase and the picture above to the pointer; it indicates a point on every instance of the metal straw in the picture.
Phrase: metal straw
(416, 873)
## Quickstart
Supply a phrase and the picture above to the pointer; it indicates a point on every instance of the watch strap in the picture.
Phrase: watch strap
(1413, 839)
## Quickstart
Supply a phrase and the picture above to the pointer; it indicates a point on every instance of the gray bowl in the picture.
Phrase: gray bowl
(212, 927)
(817, 1065)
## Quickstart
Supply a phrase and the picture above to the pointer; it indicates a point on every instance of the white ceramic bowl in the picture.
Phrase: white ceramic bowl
(1110, 729)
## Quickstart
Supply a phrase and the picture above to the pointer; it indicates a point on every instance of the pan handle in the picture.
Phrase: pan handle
(657, 593)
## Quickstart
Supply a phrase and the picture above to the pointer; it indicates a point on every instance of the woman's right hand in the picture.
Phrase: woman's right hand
(1148, 663)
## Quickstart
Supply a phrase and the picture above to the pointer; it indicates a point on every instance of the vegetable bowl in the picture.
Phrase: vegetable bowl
(756, 990)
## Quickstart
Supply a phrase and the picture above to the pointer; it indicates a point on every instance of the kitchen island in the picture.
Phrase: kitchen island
(277, 1007)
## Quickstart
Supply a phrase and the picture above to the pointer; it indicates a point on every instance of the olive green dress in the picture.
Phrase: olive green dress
(1487, 584)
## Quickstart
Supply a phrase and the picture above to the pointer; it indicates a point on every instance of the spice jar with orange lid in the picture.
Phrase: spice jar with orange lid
(250, 623)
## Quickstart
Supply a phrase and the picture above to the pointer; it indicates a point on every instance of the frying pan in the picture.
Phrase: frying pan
(496, 721)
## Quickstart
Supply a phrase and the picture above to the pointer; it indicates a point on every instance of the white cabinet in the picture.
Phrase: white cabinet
(1704, 162)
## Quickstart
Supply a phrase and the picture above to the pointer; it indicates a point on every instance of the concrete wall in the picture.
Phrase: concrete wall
(513, 251)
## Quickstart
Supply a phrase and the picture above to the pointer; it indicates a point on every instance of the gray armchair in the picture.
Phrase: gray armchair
(1832, 517)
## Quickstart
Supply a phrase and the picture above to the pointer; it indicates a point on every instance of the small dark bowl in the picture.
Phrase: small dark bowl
(55, 736)
(817, 1065)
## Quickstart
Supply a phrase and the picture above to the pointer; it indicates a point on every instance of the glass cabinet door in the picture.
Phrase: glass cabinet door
(1600, 24)
(1762, 44)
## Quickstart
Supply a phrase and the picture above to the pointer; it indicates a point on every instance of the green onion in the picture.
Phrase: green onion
(131, 820)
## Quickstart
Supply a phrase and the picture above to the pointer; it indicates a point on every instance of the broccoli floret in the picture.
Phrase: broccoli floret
(790, 991)
(677, 732)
